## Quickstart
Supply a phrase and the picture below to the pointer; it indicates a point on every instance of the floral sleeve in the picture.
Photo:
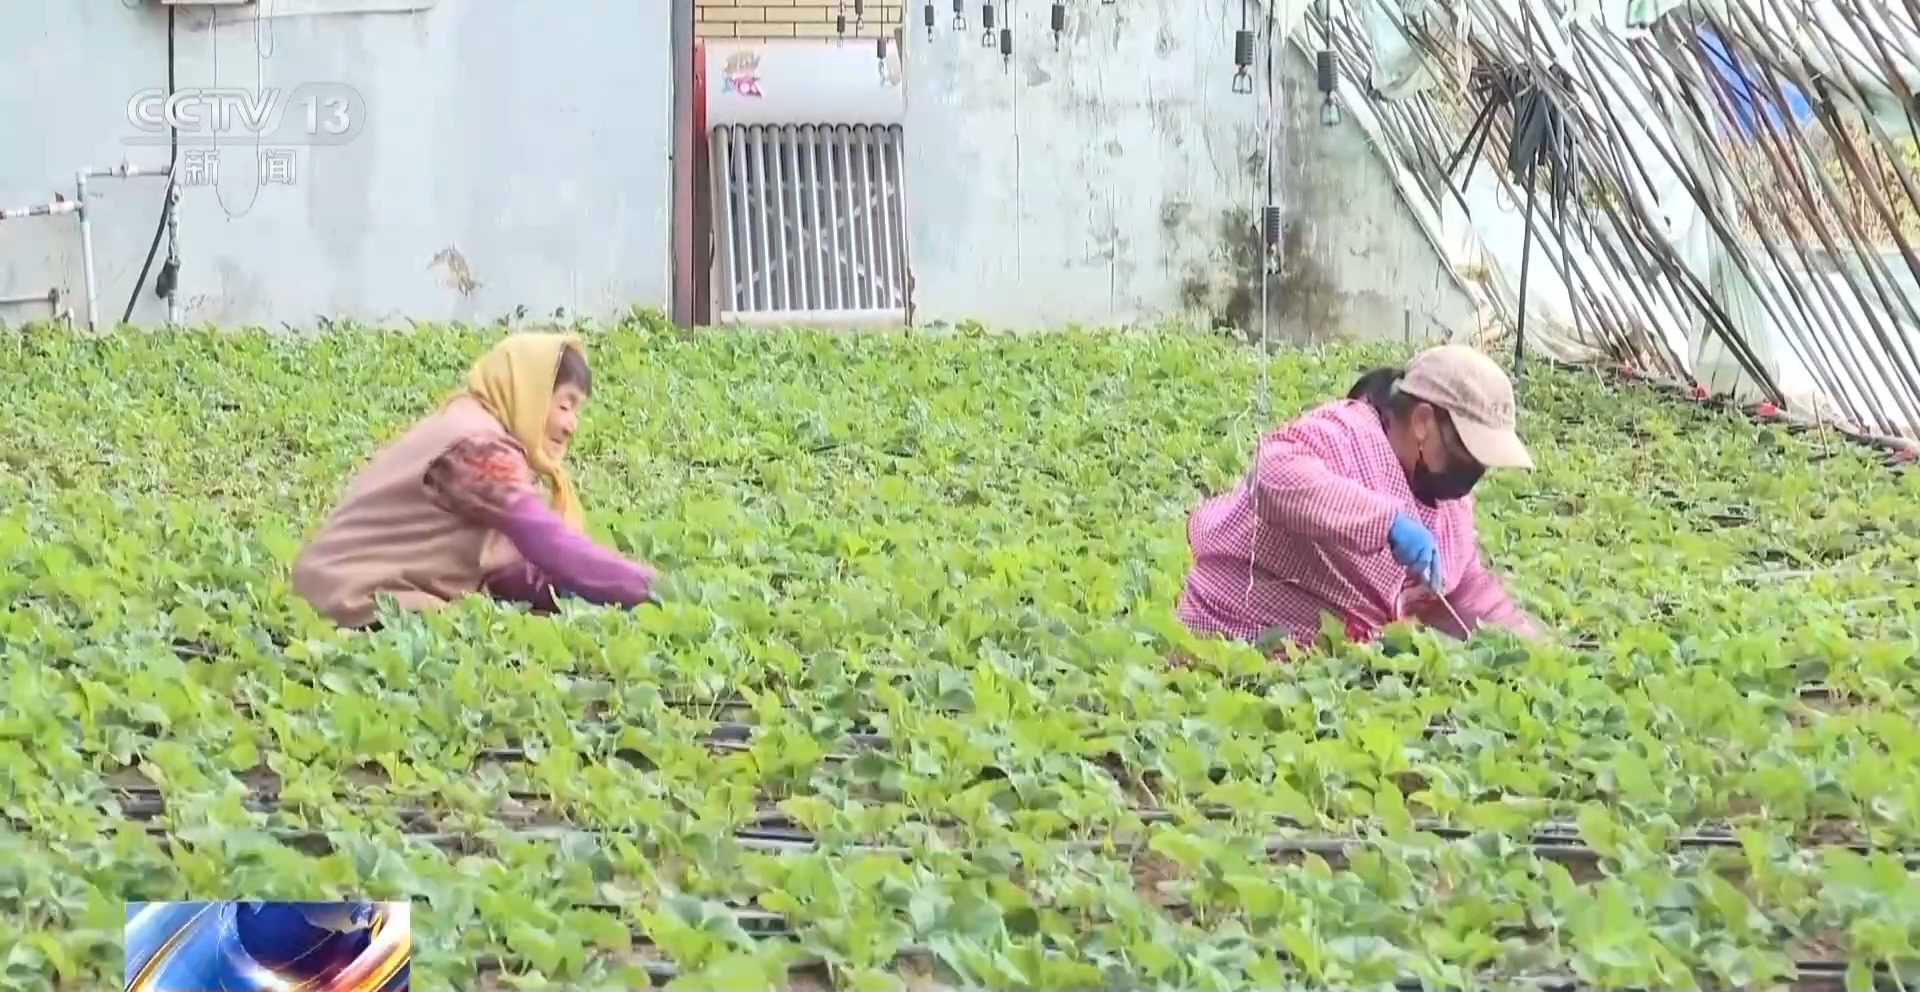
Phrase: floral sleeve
(488, 481)
(479, 478)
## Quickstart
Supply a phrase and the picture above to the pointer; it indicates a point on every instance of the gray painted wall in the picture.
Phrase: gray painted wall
(528, 141)
(1120, 179)
(526, 147)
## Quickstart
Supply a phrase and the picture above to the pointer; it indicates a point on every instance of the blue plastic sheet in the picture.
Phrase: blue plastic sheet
(1751, 91)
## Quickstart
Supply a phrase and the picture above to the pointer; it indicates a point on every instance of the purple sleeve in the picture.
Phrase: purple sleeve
(561, 559)
(523, 583)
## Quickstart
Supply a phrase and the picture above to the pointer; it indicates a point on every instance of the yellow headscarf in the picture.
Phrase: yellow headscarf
(514, 382)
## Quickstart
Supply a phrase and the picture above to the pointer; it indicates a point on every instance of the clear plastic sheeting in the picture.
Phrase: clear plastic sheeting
(1739, 207)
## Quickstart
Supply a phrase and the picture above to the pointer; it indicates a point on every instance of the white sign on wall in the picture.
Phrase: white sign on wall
(790, 81)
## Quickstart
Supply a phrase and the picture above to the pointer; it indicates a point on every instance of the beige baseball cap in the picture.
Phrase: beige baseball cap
(1476, 393)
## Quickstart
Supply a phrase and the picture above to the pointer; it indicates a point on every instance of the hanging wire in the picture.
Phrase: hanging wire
(1268, 233)
(1006, 55)
(263, 28)
(168, 280)
(1270, 228)
(1006, 60)
(259, 82)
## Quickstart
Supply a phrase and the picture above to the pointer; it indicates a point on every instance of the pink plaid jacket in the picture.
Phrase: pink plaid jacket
(1328, 486)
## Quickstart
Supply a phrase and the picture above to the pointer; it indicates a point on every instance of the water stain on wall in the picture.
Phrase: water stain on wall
(1226, 293)
(1302, 301)
(454, 266)
(1307, 302)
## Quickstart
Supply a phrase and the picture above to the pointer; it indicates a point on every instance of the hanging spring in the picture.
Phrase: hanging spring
(959, 15)
(1243, 61)
(986, 24)
(880, 55)
(1059, 22)
(928, 17)
(859, 13)
(1006, 47)
(840, 20)
(1328, 72)
(1270, 234)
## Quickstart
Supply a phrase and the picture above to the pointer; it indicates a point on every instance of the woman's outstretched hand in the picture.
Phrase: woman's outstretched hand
(1414, 548)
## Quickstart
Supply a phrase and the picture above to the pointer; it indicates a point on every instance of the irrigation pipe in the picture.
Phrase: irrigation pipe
(123, 171)
(1546, 847)
(1808, 973)
(58, 207)
(49, 299)
(82, 206)
(775, 831)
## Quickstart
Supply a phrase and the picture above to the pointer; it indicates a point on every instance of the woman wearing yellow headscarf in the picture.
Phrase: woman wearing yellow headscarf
(474, 498)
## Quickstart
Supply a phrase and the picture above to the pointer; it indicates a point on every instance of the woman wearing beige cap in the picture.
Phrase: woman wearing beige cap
(1362, 507)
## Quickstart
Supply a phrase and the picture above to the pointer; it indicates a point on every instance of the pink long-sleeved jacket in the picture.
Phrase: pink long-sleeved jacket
(1327, 487)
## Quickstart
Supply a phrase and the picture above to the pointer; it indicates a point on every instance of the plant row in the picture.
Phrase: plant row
(1194, 904)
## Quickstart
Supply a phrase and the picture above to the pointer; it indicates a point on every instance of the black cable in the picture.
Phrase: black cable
(1497, 87)
(1526, 258)
(170, 274)
(1540, 137)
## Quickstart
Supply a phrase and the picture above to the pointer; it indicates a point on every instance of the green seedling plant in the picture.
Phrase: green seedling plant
(914, 712)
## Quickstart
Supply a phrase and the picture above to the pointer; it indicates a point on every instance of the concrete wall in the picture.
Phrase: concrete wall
(512, 154)
(1119, 179)
(793, 18)
(518, 155)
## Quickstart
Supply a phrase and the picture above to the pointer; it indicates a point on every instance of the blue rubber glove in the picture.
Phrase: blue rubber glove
(1413, 547)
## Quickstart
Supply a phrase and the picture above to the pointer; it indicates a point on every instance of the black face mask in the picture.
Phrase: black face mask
(1432, 487)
